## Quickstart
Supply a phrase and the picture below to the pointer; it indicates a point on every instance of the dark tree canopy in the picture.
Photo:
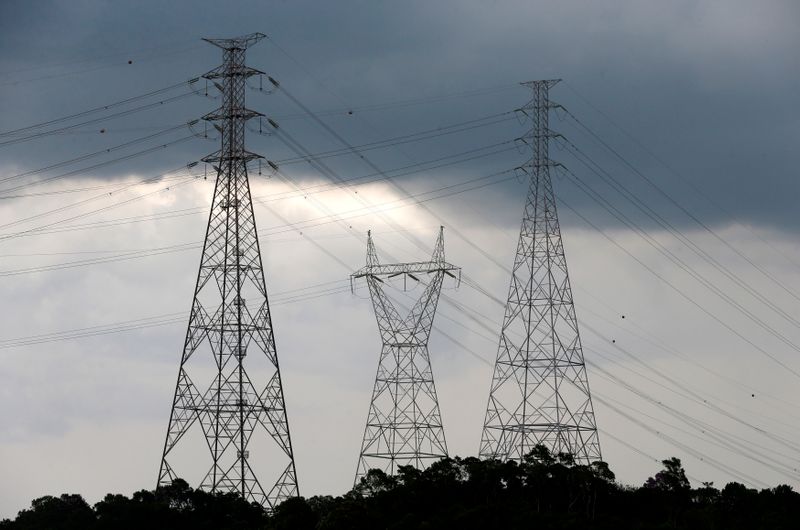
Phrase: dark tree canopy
(544, 491)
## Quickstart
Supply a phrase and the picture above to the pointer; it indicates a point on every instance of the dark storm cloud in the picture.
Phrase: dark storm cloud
(710, 87)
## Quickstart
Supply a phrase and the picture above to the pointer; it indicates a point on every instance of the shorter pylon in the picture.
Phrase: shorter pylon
(404, 425)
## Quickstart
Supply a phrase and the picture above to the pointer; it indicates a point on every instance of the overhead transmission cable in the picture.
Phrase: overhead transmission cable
(324, 125)
(653, 340)
(731, 441)
(708, 198)
(95, 153)
(299, 191)
(693, 451)
(127, 112)
(288, 226)
(101, 108)
(691, 245)
(82, 202)
(623, 219)
(91, 168)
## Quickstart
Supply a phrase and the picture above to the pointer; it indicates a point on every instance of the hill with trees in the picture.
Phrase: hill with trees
(544, 491)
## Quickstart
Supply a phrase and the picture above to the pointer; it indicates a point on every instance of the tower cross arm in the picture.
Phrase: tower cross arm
(220, 156)
(225, 114)
(243, 42)
(396, 269)
(232, 70)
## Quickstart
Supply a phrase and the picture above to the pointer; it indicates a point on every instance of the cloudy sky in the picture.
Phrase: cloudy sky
(681, 121)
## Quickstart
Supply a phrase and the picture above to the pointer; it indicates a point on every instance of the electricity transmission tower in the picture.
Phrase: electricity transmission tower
(230, 347)
(404, 425)
(540, 391)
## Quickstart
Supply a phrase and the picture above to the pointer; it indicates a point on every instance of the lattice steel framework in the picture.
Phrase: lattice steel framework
(230, 328)
(404, 425)
(540, 391)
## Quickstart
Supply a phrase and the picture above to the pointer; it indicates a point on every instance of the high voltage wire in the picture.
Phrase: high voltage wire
(715, 463)
(638, 450)
(689, 394)
(331, 132)
(305, 190)
(679, 175)
(351, 148)
(357, 178)
(761, 458)
(696, 249)
(95, 110)
(95, 68)
(96, 166)
(286, 227)
(191, 211)
(90, 155)
(86, 201)
(696, 396)
(703, 427)
(278, 298)
(127, 112)
(69, 190)
(320, 122)
(406, 138)
(761, 431)
(326, 171)
(349, 111)
(702, 435)
(705, 402)
(126, 54)
(669, 255)
(112, 251)
(399, 172)
(658, 343)
(685, 391)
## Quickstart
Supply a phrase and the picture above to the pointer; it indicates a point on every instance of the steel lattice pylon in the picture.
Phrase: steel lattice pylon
(229, 344)
(404, 425)
(540, 391)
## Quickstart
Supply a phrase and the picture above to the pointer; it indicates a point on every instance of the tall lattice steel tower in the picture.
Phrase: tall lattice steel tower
(404, 425)
(230, 347)
(540, 391)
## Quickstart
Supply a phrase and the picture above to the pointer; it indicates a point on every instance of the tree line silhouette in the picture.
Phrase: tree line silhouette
(544, 491)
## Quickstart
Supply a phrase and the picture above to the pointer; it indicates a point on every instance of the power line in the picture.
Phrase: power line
(679, 175)
(332, 132)
(101, 108)
(140, 108)
(93, 154)
(696, 249)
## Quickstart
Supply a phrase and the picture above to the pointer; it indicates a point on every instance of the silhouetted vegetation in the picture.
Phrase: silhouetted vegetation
(544, 491)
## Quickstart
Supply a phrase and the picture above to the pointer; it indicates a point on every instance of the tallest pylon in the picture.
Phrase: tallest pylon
(540, 392)
(228, 424)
